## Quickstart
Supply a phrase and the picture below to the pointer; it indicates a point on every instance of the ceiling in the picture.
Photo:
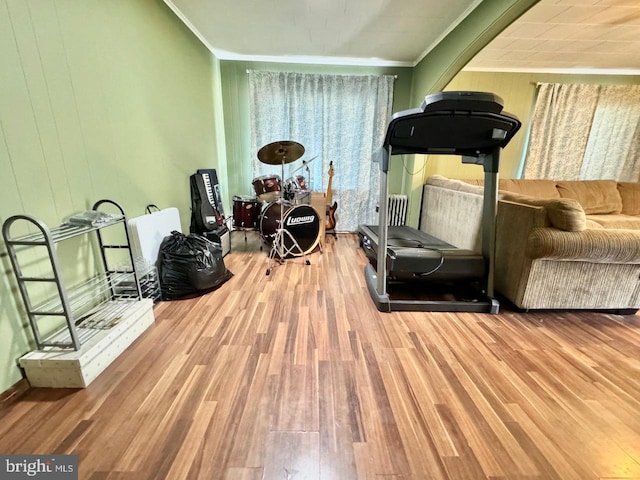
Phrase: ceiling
(564, 35)
(555, 35)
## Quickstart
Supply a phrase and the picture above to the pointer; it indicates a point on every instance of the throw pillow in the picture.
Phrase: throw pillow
(595, 196)
(630, 194)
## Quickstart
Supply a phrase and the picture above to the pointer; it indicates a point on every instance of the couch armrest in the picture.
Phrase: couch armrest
(563, 213)
(593, 245)
(523, 216)
(514, 225)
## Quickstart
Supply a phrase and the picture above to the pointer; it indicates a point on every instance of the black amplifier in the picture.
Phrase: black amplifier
(222, 236)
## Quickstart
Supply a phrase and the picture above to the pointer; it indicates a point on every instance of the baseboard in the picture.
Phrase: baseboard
(13, 394)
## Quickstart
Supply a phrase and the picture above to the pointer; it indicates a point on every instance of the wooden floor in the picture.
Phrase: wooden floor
(298, 376)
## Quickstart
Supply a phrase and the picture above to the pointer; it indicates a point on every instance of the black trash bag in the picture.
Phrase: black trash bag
(190, 265)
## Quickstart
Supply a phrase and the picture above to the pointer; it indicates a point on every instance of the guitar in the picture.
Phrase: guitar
(330, 223)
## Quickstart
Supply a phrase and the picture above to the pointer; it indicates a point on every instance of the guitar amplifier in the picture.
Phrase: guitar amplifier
(222, 236)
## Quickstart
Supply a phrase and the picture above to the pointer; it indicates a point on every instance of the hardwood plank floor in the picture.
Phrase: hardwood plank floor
(296, 375)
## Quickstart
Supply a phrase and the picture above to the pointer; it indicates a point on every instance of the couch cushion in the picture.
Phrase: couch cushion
(474, 181)
(592, 224)
(628, 222)
(595, 196)
(453, 184)
(630, 194)
(533, 188)
(563, 213)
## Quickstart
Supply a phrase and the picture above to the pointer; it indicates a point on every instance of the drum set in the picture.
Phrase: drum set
(278, 210)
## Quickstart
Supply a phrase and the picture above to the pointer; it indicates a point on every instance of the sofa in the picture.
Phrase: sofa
(559, 244)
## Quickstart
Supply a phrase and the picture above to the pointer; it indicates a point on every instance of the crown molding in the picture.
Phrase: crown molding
(189, 25)
(313, 60)
(562, 71)
(441, 37)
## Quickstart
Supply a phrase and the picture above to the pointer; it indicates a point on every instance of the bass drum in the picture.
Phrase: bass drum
(301, 221)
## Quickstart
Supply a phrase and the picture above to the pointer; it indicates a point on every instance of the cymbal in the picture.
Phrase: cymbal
(305, 164)
(285, 151)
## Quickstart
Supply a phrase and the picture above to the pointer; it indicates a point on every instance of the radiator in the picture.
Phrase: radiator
(397, 213)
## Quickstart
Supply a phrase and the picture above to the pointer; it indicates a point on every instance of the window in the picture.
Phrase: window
(337, 118)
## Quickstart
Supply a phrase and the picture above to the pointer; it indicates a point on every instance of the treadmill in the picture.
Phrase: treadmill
(467, 124)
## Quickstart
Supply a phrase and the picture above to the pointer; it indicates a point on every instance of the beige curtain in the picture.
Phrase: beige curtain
(585, 132)
(560, 130)
(613, 150)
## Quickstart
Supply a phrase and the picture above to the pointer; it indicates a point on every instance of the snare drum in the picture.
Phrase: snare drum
(246, 212)
(301, 221)
(267, 187)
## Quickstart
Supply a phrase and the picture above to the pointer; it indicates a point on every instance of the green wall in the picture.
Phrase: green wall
(470, 36)
(98, 99)
(434, 72)
(235, 92)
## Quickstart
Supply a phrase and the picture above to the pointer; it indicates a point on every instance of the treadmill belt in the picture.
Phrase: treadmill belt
(403, 236)
(415, 255)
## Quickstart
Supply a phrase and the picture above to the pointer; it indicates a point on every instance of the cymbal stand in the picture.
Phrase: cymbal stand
(278, 247)
(306, 164)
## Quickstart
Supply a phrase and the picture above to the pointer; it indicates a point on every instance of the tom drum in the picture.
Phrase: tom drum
(296, 183)
(246, 212)
(295, 189)
(267, 187)
(301, 221)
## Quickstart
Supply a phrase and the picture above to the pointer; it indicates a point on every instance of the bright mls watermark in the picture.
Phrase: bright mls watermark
(39, 467)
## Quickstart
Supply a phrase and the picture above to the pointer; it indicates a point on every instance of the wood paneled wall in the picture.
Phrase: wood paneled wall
(97, 100)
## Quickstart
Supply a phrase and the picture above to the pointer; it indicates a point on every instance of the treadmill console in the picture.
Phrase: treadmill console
(460, 101)
(452, 123)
